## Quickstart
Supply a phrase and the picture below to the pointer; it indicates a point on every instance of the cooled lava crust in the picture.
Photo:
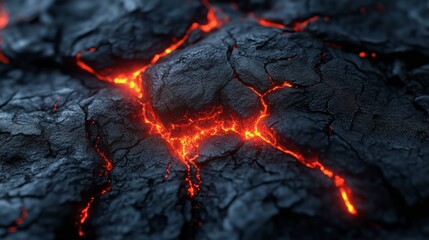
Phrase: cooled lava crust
(196, 119)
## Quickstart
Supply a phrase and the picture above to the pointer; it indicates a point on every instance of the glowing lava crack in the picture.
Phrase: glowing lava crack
(107, 167)
(184, 137)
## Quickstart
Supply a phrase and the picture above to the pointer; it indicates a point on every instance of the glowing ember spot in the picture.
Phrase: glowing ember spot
(365, 54)
(362, 54)
(168, 171)
(183, 137)
(18, 221)
(56, 104)
(212, 21)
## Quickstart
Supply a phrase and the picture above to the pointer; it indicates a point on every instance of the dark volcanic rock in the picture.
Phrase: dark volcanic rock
(366, 117)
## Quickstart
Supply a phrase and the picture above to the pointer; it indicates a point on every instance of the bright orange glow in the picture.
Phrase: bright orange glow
(56, 104)
(350, 208)
(84, 213)
(299, 26)
(267, 23)
(365, 54)
(84, 216)
(183, 137)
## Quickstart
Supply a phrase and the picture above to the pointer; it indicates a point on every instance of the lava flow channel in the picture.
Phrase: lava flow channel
(184, 138)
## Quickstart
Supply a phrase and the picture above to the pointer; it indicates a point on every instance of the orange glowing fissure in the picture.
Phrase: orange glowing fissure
(184, 137)
(107, 166)
(297, 26)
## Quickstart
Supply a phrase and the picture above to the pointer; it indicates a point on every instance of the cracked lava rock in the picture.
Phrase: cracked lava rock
(275, 119)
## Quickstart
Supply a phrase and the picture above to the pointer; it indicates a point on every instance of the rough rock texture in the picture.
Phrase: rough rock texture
(366, 117)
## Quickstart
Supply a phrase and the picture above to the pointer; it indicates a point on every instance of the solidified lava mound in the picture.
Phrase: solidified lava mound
(196, 119)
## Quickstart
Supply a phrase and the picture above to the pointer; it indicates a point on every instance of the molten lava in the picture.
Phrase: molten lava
(184, 137)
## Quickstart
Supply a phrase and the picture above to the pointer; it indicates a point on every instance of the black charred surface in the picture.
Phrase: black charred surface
(367, 118)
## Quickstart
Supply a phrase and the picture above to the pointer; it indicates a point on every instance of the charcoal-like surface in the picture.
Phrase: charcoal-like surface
(366, 117)
(387, 27)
